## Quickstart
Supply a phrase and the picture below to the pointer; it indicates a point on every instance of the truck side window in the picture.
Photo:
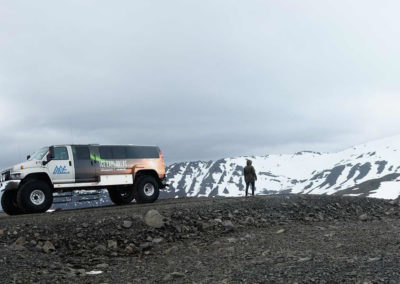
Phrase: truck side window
(142, 152)
(105, 152)
(82, 153)
(118, 152)
(60, 153)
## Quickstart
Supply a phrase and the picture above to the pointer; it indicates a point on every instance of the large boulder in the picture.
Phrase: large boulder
(154, 219)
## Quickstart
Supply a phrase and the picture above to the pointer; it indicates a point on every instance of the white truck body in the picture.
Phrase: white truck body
(69, 167)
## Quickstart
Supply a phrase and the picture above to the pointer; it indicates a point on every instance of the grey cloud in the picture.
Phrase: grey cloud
(204, 79)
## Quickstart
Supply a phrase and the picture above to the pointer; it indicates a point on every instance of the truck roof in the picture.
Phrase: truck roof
(57, 145)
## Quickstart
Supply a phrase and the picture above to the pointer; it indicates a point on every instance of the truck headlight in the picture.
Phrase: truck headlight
(16, 176)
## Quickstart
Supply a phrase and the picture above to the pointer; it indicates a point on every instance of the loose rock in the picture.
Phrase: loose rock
(228, 225)
(173, 275)
(154, 219)
(249, 221)
(102, 266)
(127, 224)
(20, 241)
(48, 247)
(111, 244)
(100, 248)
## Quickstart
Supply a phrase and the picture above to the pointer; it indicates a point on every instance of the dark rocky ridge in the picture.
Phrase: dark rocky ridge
(280, 238)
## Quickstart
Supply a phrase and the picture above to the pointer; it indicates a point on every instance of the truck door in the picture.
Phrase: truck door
(85, 167)
(60, 168)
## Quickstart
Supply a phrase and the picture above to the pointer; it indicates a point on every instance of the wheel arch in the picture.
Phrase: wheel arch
(38, 176)
(151, 173)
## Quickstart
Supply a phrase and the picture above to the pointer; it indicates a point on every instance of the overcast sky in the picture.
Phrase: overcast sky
(201, 79)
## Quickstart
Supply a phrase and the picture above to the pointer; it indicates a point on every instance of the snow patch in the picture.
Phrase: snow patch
(387, 190)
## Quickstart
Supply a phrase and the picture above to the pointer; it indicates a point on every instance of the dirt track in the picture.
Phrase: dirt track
(281, 238)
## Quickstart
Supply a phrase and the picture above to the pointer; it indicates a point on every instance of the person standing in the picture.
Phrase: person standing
(250, 177)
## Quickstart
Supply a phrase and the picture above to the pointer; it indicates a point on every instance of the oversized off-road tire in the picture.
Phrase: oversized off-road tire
(122, 195)
(146, 188)
(9, 203)
(35, 197)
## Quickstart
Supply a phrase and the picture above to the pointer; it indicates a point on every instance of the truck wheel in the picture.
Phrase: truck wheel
(9, 202)
(147, 190)
(123, 195)
(35, 197)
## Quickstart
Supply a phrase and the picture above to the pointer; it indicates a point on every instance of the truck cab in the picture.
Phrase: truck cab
(128, 172)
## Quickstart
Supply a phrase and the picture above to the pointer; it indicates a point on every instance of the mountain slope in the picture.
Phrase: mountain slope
(371, 169)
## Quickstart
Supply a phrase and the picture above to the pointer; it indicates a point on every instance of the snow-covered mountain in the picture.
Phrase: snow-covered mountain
(371, 169)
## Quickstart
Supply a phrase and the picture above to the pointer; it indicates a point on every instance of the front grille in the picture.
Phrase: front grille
(5, 176)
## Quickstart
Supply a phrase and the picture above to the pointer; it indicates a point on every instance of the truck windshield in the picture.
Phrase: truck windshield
(39, 154)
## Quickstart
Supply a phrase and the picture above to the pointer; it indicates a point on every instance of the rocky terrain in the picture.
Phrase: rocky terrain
(263, 239)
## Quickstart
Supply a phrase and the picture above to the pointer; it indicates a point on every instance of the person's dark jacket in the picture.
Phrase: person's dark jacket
(249, 173)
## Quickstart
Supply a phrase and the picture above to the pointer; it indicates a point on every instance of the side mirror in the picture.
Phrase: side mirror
(50, 156)
(28, 157)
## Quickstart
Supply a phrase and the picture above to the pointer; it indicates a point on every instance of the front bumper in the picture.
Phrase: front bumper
(9, 185)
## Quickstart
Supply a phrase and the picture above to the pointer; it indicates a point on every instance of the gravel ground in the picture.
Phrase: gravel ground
(263, 239)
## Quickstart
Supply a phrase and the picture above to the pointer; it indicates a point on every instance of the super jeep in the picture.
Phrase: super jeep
(127, 172)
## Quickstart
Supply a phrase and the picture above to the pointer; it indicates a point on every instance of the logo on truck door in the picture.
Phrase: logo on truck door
(60, 170)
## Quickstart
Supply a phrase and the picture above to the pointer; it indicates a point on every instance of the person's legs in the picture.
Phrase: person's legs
(247, 187)
(252, 188)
